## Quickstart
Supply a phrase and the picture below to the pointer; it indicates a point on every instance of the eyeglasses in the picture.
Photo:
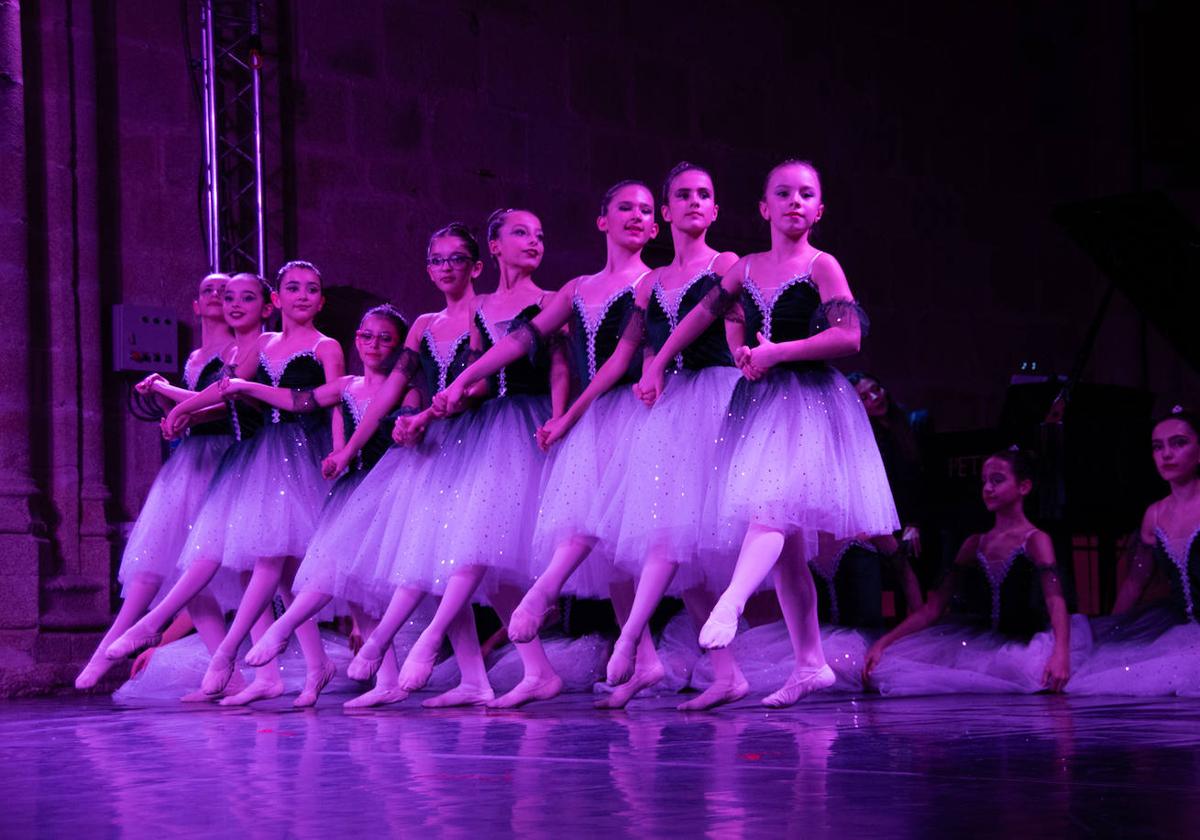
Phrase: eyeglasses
(455, 261)
(366, 337)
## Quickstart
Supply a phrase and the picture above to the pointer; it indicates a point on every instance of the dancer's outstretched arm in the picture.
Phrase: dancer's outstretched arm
(289, 399)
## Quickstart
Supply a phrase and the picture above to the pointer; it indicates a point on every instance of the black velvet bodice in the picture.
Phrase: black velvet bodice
(666, 309)
(1008, 599)
(1182, 571)
(378, 443)
(299, 371)
(440, 371)
(209, 375)
(782, 314)
(593, 341)
(524, 376)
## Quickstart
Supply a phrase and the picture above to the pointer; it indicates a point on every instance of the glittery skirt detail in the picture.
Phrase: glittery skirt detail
(367, 534)
(318, 570)
(171, 506)
(1151, 652)
(797, 453)
(280, 490)
(490, 520)
(958, 658)
(571, 497)
(654, 495)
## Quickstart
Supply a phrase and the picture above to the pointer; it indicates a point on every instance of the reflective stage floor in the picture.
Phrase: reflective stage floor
(831, 767)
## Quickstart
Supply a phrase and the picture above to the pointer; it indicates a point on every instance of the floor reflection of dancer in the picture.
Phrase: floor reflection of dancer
(798, 457)
(1008, 582)
(1155, 649)
(379, 337)
(161, 529)
(371, 525)
(656, 515)
(278, 490)
(479, 518)
(597, 309)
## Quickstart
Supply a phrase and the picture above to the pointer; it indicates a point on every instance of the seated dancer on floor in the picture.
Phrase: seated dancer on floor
(380, 335)
(1155, 650)
(269, 499)
(595, 309)
(161, 529)
(1012, 632)
(796, 458)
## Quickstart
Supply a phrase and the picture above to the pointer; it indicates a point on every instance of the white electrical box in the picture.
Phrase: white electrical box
(145, 338)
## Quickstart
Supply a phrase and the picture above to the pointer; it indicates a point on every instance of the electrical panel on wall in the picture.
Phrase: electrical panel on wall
(145, 338)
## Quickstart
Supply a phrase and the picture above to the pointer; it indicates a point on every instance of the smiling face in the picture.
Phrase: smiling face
(792, 201)
(299, 295)
(244, 306)
(1001, 488)
(691, 202)
(451, 266)
(520, 242)
(629, 217)
(1176, 450)
(209, 302)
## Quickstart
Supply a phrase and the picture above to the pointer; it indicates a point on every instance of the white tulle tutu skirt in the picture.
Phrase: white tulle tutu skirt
(656, 488)
(366, 537)
(798, 454)
(1151, 653)
(497, 491)
(571, 494)
(279, 494)
(172, 505)
(957, 658)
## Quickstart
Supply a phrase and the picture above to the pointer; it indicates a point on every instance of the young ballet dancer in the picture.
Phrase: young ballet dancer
(596, 309)
(655, 492)
(158, 535)
(1007, 583)
(798, 458)
(365, 540)
(270, 502)
(1155, 649)
(488, 488)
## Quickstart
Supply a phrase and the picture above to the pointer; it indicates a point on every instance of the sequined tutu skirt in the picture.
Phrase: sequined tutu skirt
(654, 494)
(172, 505)
(1153, 652)
(797, 454)
(279, 494)
(577, 471)
(959, 658)
(373, 522)
(495, 499)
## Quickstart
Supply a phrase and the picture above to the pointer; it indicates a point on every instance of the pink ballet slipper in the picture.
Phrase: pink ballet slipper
(314, 684)
(132, 641)
(802, 682)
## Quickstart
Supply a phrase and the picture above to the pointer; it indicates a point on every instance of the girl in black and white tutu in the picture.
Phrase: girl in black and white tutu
(1010, 631)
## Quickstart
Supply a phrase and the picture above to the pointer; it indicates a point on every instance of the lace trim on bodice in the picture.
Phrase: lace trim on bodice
(671, 300)
(592, 323)
(1181, 564)
(443, 360)
(190, 380)
(276, 370)
(767, 306)
(502, 376)
(827, 572)
(996, 574)
(357, 410)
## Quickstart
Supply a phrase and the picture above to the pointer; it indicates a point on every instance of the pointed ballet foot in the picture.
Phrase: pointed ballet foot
(93, 672)
(620, 662)
(528, 690)
(219, 673)
(377, 697)
(314, 684)
(259, 689)
(365, 663)
(265, 650)
(236, 684)
(134, 640)
(415, 672)
(802, 682)
(462, 695)
(625, 692)
(721, 627)
(717, 694)
(526, 620)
